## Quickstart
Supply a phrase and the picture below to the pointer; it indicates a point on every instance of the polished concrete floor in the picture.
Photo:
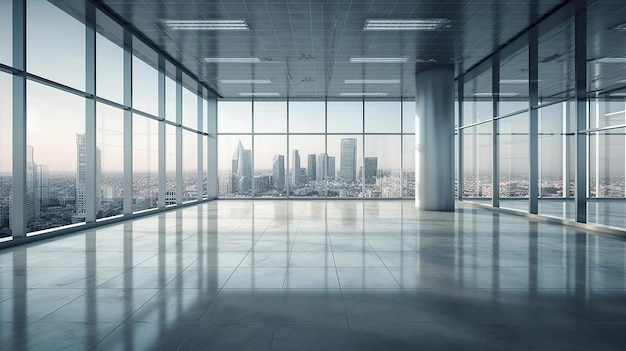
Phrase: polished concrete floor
(316, 275)
(604, 212)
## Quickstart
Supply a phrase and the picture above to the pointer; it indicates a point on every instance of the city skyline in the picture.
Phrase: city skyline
(320, 177)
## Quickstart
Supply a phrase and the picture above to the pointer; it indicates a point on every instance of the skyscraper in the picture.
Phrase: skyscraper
(370, 169)
(347, 169)
(295, 169)
(311, 167)
(322, 166)
(278, 172)
(330, 174)
(33, 205)
(241, 169)
(81, 176)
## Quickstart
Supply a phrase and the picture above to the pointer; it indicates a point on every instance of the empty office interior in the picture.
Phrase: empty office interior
(255, 174)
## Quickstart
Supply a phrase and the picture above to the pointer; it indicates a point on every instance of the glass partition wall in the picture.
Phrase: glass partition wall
(316, 149)
(111, 127)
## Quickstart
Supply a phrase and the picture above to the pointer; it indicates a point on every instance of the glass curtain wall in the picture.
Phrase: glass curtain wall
(110, 161)
(309, 149)
(537, 123)
(477, 139)
(6, 152)
(6, 32)
(68, 165)
(607, 159)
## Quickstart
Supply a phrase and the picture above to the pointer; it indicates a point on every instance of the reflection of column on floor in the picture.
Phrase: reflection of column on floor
(210, 255)
(580, 264)
(495, 250)
(20, 279)
(91, 275)
(128, 280)
(533, 255)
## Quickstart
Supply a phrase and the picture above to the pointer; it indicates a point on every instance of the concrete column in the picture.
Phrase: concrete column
(434, 139)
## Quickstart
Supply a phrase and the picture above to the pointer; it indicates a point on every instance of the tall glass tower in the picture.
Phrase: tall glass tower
(278, 172)
(295, 169)
(347, 170)
(241, 170)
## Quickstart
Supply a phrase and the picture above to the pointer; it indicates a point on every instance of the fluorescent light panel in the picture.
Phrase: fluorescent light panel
(611, 60)
(621, 26)
(514, 81)
(491, 94)
(371, 81)
(259, 94)
(207, 24)
(232, 59)
(378, 59)
(363, 94)
(406, 24)
(618, 94)
(245, 81)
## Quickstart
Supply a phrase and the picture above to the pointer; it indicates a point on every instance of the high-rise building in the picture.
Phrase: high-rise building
(311, 167)
(43, 182)
(33, 204)
(322, 166)
(347, 170)
(261, 184)
(370, 169)
(330, 174)
(278, 172)
(241, 170)
(295, 169)
(81, 174)
(81, 177)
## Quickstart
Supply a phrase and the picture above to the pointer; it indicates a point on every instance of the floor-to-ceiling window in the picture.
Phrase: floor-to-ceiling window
(549, 149)
(307, 125)
(6, 159)
(92, 120)
(55, 158)
(316, 148)
(109, 161)
(234, 121)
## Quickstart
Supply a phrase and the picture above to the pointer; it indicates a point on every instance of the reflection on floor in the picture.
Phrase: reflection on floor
(316, 275)
(606, 212)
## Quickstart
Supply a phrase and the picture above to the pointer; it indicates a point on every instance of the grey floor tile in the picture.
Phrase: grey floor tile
(311, 336)
(54, 336)
(145, 336)
(233, 336)
(316, 275)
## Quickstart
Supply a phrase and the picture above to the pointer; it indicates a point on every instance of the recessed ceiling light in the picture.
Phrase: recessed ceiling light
(407, 24)
(245, 81)
(259, 94)
(514, 81)
(426, 60)
(371, 81)
(499, 94)
(610, 60)
(378, 59)
(206, 24)
(232, 59)
(363, 94)
(621, 26)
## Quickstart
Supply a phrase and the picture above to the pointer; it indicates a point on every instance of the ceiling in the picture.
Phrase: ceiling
(305, 45)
